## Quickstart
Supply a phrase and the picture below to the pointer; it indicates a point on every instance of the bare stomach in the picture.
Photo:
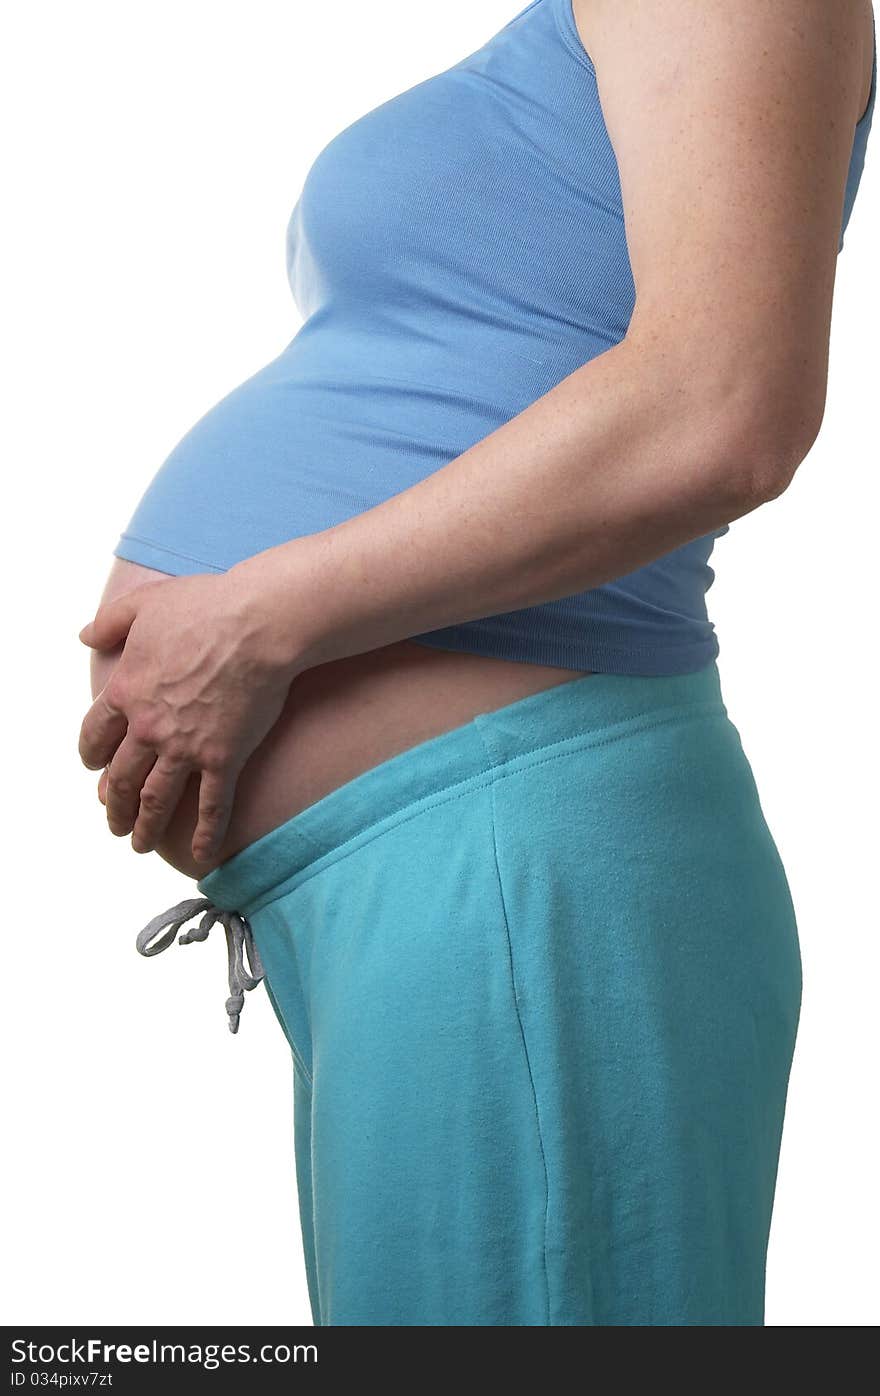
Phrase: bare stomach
(340, 720)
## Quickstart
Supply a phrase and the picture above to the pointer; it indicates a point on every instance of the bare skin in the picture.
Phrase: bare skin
(664, 437)
(340, 719)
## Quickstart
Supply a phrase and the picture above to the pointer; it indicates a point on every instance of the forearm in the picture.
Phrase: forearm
(623, 461)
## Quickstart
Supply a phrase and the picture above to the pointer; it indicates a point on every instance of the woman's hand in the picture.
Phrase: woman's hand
(205, 669)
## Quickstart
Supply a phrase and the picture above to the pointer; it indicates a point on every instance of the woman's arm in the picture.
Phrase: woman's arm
(733, 128)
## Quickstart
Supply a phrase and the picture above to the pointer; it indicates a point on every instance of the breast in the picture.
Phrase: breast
(481, 207)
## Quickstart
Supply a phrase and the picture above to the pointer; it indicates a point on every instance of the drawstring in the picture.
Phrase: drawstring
(239, 945)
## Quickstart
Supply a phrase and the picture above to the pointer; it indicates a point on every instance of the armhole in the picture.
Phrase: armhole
(567, 26)
(872, 94)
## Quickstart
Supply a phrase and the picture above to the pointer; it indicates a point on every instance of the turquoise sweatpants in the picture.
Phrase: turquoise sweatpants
(540, 981)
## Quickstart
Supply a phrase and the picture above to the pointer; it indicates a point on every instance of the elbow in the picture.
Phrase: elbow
(750, 414)
(759, 440)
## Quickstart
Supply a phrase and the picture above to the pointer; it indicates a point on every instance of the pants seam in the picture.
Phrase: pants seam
(299, 1064)
(519, 1018)
(295, 1053)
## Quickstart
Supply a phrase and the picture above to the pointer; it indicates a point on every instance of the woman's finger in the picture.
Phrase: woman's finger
(216, 791)
(104, 727)
(128, 770)
(102, 786)
(161, 794)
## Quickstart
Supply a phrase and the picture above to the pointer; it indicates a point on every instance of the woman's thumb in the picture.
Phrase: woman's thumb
(111, 624)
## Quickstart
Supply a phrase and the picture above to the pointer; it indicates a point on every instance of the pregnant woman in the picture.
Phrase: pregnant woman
(405, 658)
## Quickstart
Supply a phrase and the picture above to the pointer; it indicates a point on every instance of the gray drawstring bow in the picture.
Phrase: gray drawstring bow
(239, 945)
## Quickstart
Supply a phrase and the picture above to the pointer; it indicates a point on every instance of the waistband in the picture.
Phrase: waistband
(589, 708)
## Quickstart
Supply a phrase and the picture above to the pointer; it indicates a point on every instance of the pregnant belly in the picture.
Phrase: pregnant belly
(340, 720)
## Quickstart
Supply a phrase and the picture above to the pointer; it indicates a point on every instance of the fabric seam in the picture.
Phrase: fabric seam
(524, 1039)
(170, 552)
(496, 772)
(294, 1050)
(600, 647)
(570, 34)
(299, 1064)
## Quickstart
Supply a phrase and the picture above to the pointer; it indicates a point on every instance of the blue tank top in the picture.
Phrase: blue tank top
(453, 254)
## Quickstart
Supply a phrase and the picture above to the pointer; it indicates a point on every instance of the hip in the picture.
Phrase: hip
(607, 833)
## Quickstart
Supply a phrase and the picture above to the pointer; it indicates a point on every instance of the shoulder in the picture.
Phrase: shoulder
(752, 33)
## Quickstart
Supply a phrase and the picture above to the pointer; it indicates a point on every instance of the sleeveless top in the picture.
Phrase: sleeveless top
(454, 254)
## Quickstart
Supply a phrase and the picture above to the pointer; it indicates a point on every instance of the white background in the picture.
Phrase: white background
(152, 155)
